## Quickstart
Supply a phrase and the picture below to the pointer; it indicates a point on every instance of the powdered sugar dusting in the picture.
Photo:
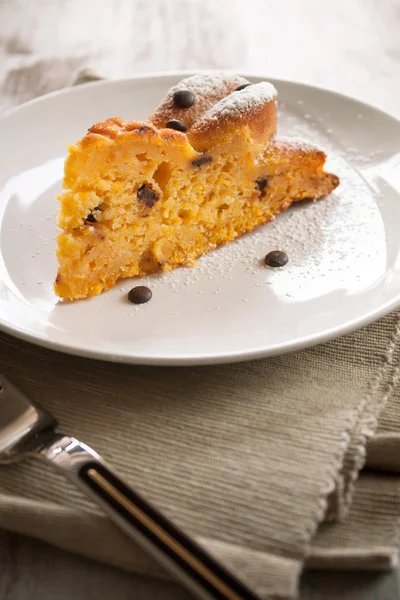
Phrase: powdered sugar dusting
(315, 235)
(240, 103)
(323, 255)
(296, 143)
(209, 83)
(208, 88)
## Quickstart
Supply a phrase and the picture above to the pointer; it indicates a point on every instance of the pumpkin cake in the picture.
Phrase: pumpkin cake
(205, 168)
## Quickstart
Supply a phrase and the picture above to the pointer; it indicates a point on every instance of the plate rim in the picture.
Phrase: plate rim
(216, 357)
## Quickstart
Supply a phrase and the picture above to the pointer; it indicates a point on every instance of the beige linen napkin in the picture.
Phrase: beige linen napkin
(248, 458)
(369, 536)
(243, 457)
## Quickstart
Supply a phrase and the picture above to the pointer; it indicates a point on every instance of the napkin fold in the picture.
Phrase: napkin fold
(258, 461)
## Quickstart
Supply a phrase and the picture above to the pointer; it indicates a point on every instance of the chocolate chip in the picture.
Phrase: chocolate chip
(175, 124)
(261, 183)
(241, 87)
(140, 294)
(147, 195)
(91, 218)
(198, 162)
(276, 259)
(184, 98)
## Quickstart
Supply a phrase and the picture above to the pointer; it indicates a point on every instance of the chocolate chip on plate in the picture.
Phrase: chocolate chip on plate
(184, 98)
(147, 195)
(140, 294)
(241, 87)
(276, 259)
(261, 183)
(176, 124)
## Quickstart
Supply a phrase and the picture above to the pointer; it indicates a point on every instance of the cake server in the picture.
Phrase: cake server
(28, 429)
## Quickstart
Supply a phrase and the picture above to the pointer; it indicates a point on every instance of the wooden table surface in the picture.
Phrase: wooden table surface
(351, 47)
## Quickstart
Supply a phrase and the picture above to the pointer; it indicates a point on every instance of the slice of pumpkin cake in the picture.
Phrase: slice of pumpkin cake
(207, 166)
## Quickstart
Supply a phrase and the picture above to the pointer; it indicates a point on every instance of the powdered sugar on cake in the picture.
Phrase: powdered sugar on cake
(208, 84)
(242, 102)
(296, 143)
(207, 88)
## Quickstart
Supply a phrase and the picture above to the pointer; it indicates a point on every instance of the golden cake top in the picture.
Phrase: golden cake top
(212, 107)
(193, 96)
(205, 111)
(253, 107)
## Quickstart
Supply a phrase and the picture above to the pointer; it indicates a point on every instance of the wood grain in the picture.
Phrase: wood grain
(351, 47)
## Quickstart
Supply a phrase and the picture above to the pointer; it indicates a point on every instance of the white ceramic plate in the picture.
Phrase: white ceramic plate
(344, 268)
